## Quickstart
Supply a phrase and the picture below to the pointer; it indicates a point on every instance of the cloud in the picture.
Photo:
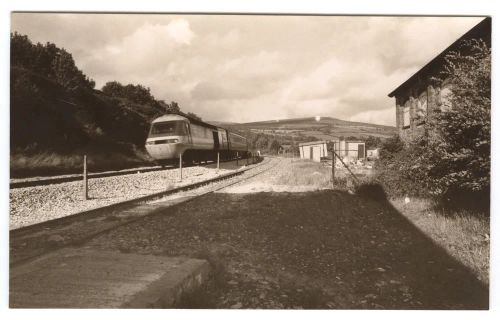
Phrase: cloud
(250, 68)
(179, 31)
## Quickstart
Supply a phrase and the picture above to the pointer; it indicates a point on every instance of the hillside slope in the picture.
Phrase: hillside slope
(51, 127)
(326, 128)
(56, 115)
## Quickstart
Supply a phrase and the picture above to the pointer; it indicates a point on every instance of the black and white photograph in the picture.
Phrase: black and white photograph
(277, 161)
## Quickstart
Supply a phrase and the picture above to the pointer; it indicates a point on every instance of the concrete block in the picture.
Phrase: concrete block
(86, 278)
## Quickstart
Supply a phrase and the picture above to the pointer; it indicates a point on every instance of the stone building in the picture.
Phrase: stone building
(417, 96)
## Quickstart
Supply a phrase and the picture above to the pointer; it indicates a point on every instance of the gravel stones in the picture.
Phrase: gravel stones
(41, 203)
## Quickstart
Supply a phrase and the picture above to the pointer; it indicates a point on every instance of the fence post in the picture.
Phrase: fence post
(217, 162)
(333, 168)
(180, 166)
(237, 155)
(85, 181)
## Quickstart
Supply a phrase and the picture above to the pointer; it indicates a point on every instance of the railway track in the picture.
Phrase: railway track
(42, 181)
(27, 243)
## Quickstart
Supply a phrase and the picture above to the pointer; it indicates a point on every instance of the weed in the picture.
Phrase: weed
(305, 173)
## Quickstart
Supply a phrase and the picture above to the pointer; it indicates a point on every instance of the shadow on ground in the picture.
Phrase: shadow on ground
(323, 249)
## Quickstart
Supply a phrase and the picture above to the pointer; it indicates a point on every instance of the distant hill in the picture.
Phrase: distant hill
(326, 128)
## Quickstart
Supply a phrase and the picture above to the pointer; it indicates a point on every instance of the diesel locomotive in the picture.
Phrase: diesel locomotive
(172, 135)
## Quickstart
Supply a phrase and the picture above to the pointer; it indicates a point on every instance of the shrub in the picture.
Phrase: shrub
(451, 161)
(398, 169)
(459, 136)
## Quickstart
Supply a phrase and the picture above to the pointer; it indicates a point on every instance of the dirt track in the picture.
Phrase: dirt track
(314, 249)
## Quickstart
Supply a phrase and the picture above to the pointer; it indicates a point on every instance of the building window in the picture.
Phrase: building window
(406, 115)
(444, 97)
(421, 111)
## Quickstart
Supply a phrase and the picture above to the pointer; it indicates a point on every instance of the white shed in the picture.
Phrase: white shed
(351, 149)
(313, 150)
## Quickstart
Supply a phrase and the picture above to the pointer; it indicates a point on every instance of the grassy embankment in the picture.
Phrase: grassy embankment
(464, 235)
(23, 164)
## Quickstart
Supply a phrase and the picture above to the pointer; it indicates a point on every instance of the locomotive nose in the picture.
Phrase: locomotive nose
(164, 148)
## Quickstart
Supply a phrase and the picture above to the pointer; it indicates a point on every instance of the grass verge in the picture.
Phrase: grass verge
(52, 163)
(464, 235)
(305, 173)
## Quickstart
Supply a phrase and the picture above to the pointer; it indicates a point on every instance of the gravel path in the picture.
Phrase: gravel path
(288, 176)
(40, 203)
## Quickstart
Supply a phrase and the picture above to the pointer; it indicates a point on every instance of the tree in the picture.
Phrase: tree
(194, 116)
(173, 107)
(274, 146)
(113, 89)
(261, 142)
(65, 71)
(135, 93)
(49, 61)
(21, 50)
(391, 147)
(459, 135)
(373, 142)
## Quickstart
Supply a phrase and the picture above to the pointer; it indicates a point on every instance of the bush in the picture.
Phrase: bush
(451, 161)
(398, 170)
(459, 138)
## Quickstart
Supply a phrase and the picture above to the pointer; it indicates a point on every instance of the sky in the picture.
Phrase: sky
(243, 68)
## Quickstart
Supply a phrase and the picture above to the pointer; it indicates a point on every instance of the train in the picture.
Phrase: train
(172, 137)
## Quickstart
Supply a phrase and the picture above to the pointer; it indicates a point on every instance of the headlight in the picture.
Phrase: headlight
(162, 141)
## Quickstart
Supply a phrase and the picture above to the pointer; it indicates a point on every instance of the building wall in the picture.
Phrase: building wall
(349, 149)
(318, 151)
(416, 98)
(352, 150)
(342, 148)
(418, 87)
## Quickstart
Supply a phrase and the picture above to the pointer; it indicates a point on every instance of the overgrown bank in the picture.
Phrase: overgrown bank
(56, 114)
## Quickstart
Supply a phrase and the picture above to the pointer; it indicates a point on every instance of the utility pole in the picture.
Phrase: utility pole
(85, 180)
(333, 164)
(180, 166)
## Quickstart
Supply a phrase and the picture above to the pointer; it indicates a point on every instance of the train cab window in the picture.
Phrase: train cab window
(169, 128)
